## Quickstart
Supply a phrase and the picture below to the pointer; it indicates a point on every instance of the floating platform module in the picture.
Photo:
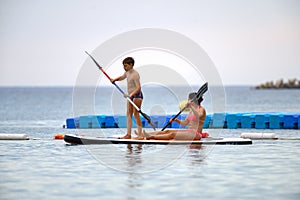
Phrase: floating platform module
(252, 120)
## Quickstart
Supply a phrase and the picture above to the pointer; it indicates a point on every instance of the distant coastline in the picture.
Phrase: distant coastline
(280, 84)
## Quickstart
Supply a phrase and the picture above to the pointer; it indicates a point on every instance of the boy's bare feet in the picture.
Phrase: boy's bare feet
(127, 136)
(138, 138)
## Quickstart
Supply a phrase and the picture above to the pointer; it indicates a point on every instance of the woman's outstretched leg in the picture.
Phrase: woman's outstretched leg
(160, 135)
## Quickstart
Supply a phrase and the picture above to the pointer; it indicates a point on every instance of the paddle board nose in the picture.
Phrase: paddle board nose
(58, 136)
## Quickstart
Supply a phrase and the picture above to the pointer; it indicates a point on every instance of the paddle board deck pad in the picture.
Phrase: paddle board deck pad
(86, 140)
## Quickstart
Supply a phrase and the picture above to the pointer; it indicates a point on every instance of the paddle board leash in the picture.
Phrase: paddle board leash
(199, 94)
(135, 106)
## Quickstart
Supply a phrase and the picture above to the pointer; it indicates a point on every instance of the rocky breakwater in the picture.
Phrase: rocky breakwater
(280, 84)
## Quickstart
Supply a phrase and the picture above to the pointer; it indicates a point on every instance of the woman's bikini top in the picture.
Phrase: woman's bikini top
(193, 117)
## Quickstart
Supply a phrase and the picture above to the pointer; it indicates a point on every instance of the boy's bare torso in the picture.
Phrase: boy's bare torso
(133, 80)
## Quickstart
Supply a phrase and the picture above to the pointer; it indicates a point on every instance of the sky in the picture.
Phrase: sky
(249, 42)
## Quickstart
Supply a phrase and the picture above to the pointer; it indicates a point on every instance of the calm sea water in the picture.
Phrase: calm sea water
(44, 168)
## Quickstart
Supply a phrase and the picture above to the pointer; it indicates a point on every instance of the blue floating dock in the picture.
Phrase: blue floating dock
(233, 120)
(262, 121)
(218, 120)
(257, 120)
(207, 121)
(93, 121)
(73, 122)
(290, 121)
(276, 121)
(248, 121)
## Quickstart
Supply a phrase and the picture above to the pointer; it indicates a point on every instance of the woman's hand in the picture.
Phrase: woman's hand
(188, 104)
(175, 120)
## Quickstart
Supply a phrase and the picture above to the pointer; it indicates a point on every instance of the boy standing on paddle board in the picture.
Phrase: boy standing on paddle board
(135, 94)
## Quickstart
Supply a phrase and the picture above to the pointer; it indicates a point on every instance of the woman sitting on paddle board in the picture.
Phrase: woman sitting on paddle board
(194, 121)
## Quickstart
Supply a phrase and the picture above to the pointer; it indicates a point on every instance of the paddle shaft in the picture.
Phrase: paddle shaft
(130, 101)
(173, 119)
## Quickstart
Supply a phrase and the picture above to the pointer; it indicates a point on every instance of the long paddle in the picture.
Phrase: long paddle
(200, 92)
(135, 106)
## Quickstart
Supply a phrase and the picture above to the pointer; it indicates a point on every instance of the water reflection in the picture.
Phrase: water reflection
(134, 180)
(133, 156)
(134, 160)
(197, 154)
(195, 146)
(134, 148)
(144, 158)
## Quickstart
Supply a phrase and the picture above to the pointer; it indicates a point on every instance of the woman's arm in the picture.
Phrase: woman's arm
(182, 122)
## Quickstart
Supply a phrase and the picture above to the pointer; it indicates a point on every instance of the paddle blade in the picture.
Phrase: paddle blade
(148, 119)
(93, 60)
(98, 66)
(201, 91)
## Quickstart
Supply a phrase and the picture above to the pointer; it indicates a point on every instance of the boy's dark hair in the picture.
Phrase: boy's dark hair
(196, 100)
(128, 60)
